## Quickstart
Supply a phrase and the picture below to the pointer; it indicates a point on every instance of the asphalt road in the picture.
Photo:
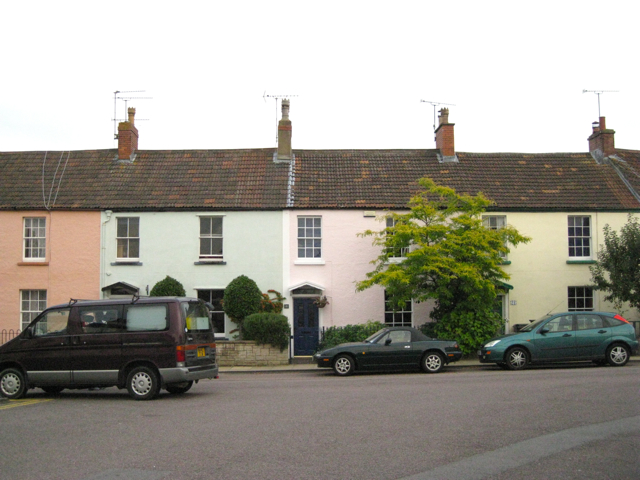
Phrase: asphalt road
(543, 423)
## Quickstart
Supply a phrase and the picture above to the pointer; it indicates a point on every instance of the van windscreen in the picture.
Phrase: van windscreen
(196, 316)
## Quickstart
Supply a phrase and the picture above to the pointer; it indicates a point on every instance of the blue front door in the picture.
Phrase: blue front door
(306, 326)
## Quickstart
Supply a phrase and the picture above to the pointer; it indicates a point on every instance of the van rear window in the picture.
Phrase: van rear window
(196, 316)
(147, 318)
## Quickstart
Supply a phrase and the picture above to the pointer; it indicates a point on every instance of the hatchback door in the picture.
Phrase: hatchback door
(591, 333)
(200, 348)
(556, 339)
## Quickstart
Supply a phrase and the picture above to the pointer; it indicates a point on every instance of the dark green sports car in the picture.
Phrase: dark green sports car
(390, 348)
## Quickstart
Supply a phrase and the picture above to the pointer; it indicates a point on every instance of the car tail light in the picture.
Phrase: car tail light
(619, 317)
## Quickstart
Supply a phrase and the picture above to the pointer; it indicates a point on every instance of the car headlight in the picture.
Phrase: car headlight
(491, 344)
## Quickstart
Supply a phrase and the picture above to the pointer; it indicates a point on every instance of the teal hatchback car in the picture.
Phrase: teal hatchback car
(565, 337)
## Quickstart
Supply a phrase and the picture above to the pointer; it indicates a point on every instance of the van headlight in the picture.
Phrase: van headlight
(491, 344)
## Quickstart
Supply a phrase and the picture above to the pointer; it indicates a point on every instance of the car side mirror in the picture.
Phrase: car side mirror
(387, 341)
(28, 333)
(543, 330)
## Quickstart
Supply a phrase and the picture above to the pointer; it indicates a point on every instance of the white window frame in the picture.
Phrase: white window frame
(580, 299)
(210, 236)
(402, 313)
(309, 238)
(34, 239)
(128, 239)
(577, 240)
(32, 303)
(206, 295)
(495, 222)
(390, 223)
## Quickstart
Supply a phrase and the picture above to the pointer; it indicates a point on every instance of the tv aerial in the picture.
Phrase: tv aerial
(435, 104)
(598, 93)
(118, 95)
(276, 98)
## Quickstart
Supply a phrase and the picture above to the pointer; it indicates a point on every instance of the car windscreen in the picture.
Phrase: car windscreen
(533, 325)
(196, 316)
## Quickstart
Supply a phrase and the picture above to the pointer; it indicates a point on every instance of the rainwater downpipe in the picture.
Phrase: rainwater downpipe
(103, 251)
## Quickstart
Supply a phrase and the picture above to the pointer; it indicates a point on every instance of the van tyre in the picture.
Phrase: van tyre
(12, 383)
(143, 383)
(179, 388)
(618, 355)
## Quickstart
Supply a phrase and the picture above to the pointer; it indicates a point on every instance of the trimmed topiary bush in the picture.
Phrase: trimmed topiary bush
(169, 287)
(242, 298)
(349, 333)
(267, 328)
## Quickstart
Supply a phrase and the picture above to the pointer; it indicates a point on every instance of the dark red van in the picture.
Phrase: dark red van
(141, 344)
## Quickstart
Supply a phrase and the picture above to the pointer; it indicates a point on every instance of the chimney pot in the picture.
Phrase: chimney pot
(602, 139)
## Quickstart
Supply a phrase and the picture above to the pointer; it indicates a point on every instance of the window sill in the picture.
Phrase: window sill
(33, 264)
(133, 263)
(581, 262)
(309, 261)
(210, 262)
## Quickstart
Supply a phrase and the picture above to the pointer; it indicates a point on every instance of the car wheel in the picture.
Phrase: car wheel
(517, 358)
(617, 355)
(178, 388)
(142, 383)
(432, 362)
(12, 383)
(343, 365)
(52, 390)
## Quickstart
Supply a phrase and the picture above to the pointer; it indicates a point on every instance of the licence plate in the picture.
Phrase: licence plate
(201, 352)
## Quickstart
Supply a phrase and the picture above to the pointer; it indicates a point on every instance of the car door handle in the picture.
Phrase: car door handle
(567, 335)
(407, 346)
(602, 331)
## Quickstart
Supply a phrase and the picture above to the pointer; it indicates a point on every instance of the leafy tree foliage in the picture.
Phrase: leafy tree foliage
(242, 298)
(169, 287)
(617, 270)
(451, 257)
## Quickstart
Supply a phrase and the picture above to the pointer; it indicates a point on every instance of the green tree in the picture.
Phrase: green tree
(169, 287)
(617, 270)
(450, 257)
(242, 298)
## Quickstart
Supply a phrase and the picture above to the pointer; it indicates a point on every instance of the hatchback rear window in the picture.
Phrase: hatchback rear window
(196, 316)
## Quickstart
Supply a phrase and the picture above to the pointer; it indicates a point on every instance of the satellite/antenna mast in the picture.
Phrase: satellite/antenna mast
(126, 99)
(276, 98)
(598, 92)
(434, 110)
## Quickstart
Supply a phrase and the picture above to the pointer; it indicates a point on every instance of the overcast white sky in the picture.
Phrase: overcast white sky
(515, 72)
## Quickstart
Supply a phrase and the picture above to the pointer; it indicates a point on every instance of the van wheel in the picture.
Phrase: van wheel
(12, 383)
(143, 384)
(178, 388)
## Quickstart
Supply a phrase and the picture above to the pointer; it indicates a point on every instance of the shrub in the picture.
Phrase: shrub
(242, 298)
(169, 287)
(349, 333)
(469, 329)
(272, 305)
(267, 328)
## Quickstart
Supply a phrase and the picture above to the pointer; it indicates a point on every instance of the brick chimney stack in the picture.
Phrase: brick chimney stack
(602, 139)
(444, 134)
(284, 133)
(127, 137)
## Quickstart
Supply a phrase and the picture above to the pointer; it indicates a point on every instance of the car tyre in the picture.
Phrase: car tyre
(343, 365)
(179, 388)
(432, 362)
(517, 358)
(618, 355)
(52, 390)
(13, 385)
(143, 383)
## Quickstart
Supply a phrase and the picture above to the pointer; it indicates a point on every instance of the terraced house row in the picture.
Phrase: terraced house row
(105, 223)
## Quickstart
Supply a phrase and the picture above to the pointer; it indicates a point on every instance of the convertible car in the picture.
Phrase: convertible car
(390, 348)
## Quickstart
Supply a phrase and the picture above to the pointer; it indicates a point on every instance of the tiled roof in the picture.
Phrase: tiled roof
(514, 181)
(173, 179)
(250, 179)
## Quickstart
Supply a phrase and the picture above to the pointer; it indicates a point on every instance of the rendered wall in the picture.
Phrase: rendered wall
(71, 269)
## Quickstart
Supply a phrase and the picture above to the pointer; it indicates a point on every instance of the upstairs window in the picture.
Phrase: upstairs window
(580, 237)
(309, 237)
(35, 239)
(128, 238)
(211, 237)
(397, 318)
(495, 222)
(396, 252)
